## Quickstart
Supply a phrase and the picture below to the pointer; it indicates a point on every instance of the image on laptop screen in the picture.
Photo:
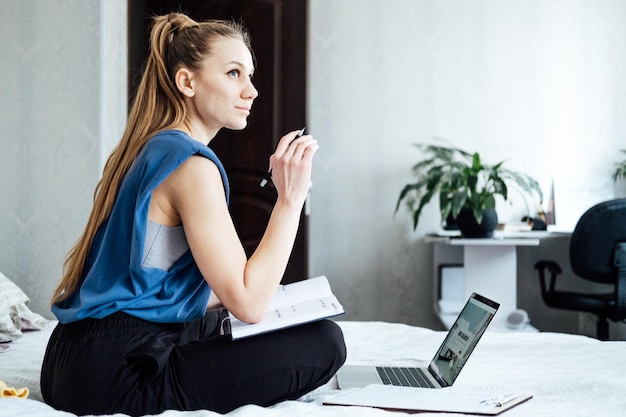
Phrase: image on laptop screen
(462, 338)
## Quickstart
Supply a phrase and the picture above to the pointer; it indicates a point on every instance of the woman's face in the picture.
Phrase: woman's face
(223, 87)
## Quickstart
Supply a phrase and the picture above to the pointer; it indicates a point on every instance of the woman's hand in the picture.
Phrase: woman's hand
(291, 166)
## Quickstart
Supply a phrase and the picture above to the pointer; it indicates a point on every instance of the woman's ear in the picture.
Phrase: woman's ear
(185, 82)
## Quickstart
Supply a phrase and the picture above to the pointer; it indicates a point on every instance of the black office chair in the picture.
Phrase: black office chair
(597, 253)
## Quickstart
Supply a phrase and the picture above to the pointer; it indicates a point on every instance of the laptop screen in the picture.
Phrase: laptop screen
(462, 338)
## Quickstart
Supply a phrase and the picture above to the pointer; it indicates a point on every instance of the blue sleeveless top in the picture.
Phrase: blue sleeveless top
(114, 278)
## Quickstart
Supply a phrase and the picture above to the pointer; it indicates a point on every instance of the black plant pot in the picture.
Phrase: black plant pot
(450, 223)
(471, 229)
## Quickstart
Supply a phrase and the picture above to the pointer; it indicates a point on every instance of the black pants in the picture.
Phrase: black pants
(121, 364)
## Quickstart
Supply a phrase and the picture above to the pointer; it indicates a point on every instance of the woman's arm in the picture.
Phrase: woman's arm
(195, 194)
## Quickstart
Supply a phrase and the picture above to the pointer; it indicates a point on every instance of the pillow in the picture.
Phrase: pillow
(11, 292)
(9, 330)
(15, 315)
(29, 320)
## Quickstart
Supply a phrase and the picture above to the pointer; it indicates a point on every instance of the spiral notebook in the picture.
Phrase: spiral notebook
(293, 304)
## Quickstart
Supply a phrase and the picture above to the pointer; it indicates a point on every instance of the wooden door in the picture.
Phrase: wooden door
(278, 31)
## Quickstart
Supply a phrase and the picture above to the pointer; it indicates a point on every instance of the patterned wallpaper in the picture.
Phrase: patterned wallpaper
(58, 111)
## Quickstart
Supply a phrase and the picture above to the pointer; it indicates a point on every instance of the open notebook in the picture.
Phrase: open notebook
(412, 399)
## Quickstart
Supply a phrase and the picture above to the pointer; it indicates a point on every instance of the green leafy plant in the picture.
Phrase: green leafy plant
(620, 168)
(461, 180)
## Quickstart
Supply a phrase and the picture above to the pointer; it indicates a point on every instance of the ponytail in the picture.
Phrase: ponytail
(176, 41)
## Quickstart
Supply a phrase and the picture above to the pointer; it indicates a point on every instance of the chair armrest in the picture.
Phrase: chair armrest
(555, 270)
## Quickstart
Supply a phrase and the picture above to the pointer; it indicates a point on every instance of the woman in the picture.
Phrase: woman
(135, 335)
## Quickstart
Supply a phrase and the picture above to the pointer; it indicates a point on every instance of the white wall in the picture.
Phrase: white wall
(63, 96)
(538, 83)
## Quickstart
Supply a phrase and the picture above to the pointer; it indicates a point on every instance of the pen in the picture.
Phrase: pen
(268, 177)
(506, 400)
(499, 402)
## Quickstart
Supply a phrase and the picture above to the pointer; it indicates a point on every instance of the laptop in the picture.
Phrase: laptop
(447, 363)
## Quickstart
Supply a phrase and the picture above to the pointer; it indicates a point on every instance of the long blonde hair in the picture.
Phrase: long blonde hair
(176, 41)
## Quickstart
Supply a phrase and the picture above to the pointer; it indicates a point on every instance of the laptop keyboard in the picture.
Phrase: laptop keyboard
(407, 377)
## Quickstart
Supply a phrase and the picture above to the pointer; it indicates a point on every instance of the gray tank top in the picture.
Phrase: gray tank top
(163, 246)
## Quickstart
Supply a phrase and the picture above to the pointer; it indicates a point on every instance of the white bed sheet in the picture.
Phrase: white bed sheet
(569, 375)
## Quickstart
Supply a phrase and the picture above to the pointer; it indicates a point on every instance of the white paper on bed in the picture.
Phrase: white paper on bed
(410, 399)
(293, 304)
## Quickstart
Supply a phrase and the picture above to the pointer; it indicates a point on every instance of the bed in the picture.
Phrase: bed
(569, 375)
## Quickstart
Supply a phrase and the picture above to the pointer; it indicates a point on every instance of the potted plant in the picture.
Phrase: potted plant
(465, 186)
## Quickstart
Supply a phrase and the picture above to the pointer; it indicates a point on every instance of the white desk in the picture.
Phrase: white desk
(489, 268)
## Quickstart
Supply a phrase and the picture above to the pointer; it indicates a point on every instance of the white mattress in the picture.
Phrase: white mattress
(569, 375)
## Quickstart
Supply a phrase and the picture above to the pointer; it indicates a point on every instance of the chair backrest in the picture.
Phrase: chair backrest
(593, 242)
